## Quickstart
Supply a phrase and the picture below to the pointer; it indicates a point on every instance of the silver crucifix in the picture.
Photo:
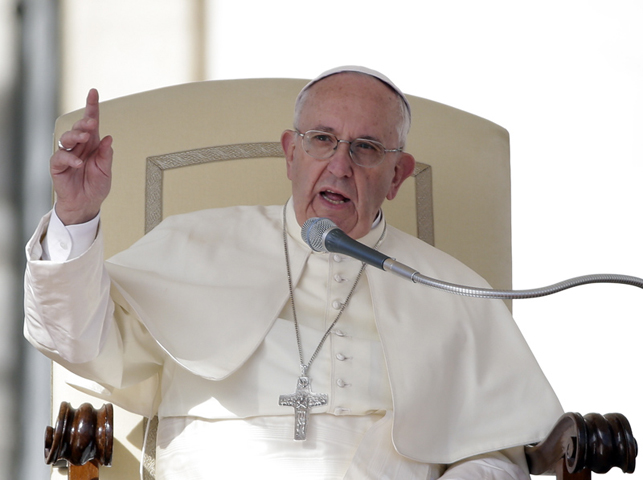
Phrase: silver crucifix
(302, 400)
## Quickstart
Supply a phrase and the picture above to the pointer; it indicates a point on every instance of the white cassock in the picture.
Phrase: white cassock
(199, 330)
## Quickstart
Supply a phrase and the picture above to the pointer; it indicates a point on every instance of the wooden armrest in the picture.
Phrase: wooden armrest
(84, 438)
(593, 443)
(576, 445)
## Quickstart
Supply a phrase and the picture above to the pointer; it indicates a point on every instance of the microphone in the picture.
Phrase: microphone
(322, 235)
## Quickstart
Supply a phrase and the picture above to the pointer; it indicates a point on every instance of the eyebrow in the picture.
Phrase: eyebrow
(323, 128)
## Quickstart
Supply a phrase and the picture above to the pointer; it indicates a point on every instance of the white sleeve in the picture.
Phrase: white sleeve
(62, 243)
(492, 466)
(71, 317)
(67, 304)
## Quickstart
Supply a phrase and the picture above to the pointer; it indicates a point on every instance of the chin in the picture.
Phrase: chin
(342, 223)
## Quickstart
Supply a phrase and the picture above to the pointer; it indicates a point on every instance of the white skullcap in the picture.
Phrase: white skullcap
(358, 69)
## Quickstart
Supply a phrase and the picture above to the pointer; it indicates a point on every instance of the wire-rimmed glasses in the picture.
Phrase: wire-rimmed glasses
(364, 152)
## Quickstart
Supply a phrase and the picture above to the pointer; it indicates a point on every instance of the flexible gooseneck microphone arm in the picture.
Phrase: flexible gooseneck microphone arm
(322, 235)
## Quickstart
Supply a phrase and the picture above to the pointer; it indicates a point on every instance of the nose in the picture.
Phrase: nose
(341, 164)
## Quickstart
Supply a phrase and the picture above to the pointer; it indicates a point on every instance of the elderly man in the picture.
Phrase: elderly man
(383, 381)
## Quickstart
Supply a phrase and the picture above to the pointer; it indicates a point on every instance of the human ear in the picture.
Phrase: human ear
(404, 168)
(288, 146)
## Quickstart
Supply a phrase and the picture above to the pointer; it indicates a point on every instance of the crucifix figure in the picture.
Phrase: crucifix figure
(302, 400)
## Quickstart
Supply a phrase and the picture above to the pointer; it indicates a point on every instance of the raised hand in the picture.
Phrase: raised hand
(81, 168)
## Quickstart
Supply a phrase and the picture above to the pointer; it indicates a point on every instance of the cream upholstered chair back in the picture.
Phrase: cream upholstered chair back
(213, 144)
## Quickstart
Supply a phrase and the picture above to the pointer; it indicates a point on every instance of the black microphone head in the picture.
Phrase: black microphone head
(313, 232)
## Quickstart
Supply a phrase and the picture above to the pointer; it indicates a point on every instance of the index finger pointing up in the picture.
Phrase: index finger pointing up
(91, 106)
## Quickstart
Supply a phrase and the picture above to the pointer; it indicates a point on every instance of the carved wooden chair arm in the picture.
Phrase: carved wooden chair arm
(84, 438)
(580, 445)
(575, 447)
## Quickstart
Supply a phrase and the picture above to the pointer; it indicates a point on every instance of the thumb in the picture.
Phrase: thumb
(105, 153)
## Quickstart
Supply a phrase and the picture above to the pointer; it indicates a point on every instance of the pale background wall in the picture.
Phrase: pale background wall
(564, 77)
(9, 238)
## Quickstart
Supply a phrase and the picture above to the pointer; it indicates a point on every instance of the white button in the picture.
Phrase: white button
(64, 246)
(338, 278)
(339, 333)
(337, 258)
(337, 304)
(340, 357)
(341, 383)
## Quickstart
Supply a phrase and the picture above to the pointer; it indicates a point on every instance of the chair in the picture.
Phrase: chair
(191, 146)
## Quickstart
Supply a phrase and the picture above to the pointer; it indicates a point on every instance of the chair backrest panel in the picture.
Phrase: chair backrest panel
(216, 143)
(468, 156)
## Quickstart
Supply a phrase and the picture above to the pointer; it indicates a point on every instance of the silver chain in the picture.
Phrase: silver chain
(305, 367)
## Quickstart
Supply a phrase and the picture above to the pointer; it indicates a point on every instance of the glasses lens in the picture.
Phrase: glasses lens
(366, 152)
(320, 145)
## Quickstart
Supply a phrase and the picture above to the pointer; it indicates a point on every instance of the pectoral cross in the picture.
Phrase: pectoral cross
(302, 400)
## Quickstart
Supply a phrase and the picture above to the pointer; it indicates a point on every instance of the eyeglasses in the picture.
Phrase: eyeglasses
(323, 145)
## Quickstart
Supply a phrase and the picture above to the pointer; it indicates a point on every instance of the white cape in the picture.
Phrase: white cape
(463, 379)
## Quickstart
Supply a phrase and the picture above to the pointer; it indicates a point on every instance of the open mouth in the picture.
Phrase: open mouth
(334, 197)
